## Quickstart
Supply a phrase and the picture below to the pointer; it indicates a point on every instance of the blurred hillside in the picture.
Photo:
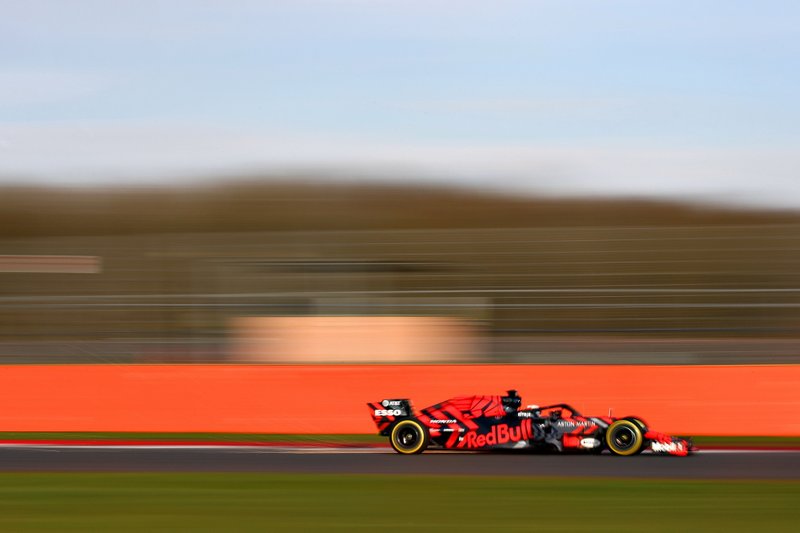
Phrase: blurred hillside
(282, 206)
(544, 280)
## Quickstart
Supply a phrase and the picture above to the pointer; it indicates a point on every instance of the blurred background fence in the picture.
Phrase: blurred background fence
(666, 293)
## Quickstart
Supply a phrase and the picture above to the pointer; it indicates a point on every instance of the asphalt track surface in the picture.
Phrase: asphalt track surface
(703, 465)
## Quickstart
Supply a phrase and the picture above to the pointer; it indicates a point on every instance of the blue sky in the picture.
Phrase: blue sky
(678, 99)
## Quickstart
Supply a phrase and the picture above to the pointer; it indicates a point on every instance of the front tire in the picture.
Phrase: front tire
(643, 426)
(409, 437)
(639, 422)
(624, 437)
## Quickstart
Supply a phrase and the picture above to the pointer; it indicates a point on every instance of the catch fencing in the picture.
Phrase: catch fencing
(606, 295)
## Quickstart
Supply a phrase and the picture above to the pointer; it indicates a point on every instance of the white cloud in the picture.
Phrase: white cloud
(28, 86)
(562, 106)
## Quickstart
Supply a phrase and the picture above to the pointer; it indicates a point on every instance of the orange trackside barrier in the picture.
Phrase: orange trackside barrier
(699, 400)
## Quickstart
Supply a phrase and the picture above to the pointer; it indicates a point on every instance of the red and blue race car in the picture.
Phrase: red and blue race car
(499, 422)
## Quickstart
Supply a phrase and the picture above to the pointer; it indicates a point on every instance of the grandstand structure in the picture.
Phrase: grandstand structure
(671, 289)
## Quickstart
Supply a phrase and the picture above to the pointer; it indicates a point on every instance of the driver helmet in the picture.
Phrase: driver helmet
(512, 402)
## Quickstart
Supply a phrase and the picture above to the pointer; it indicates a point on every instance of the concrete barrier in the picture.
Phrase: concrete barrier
(707, 400)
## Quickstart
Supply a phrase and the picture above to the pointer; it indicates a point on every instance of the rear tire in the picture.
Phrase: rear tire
(624, 437)
(409, 437)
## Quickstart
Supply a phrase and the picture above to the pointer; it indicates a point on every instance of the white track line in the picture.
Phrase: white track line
(309, 450)
(745, 451)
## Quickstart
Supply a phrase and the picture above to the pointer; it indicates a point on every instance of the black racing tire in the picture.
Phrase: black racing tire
(624, 437)
(409, 437)
(642, 425)
(639, 422)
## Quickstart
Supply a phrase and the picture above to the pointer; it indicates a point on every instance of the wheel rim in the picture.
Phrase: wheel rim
(407, 438)
(624, 438)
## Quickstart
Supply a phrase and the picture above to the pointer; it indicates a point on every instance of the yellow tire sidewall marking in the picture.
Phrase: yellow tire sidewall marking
(636, 430)
(409, 423)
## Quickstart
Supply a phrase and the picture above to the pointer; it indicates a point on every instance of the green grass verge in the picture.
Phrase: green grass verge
(322, 439)
(272, 502)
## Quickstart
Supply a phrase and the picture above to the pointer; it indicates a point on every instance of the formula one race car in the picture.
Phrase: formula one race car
(498, 422)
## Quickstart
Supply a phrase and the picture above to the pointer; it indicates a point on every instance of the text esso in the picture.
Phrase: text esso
(388, 412)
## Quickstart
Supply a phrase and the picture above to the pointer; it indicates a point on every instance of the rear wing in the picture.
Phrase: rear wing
(386, 412)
